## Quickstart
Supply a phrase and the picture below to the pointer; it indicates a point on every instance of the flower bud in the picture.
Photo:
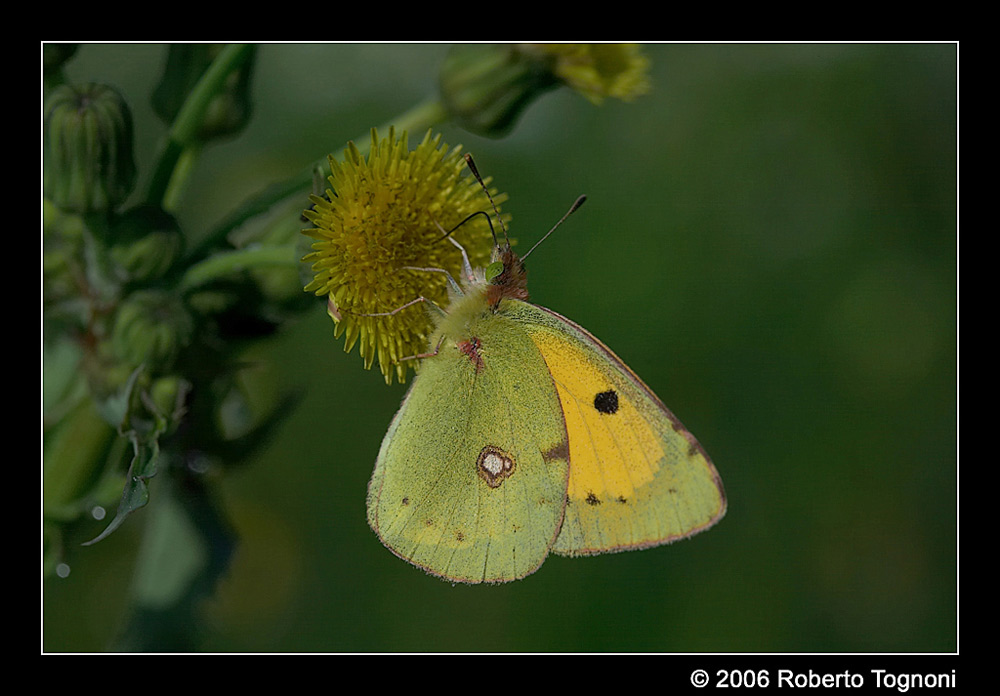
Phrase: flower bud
(145, 243)
(151, 328)
(230, 109)
(597, 71)
(485, 87)
(87, 158)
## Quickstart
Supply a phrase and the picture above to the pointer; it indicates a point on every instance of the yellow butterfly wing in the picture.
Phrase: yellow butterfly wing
(638, 478)
(470, 482)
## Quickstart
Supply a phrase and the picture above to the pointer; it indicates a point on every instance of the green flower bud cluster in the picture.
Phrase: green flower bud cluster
(108, 296)
(140, 331)
(94, 255)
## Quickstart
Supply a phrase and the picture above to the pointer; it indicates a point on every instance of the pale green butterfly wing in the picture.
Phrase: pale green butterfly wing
(638, 478)
(470, 482)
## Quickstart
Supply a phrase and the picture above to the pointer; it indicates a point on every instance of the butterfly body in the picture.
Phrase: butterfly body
(524, 435)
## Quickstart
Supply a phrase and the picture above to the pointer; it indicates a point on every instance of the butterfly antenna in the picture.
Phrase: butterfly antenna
(447, 233)
(572, 209)
(475, 173)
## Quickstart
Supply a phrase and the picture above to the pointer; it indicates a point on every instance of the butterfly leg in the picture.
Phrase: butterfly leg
(431, 354)
(396, 311)
(466, 264)
(451, 281)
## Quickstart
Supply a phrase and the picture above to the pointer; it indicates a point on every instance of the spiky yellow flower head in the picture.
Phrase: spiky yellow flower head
(382, 217)
(598, 70)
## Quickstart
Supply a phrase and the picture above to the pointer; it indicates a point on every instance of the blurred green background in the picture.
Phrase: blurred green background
(770, 241)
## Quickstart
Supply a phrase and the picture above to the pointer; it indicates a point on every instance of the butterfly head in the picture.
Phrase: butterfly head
(506, 276)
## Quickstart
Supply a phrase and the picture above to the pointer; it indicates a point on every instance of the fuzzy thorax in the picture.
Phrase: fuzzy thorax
(481, 297)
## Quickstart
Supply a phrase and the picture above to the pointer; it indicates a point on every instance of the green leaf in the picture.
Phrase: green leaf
(144, 435)
(114, 409)
(136, 492)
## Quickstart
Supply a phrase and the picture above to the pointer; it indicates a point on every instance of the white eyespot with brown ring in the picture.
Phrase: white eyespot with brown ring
(494, 465)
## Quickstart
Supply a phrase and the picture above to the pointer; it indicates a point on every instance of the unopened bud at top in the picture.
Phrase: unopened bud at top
(87, 160)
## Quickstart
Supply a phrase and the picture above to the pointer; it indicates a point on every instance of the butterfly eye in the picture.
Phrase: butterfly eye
(494, 270)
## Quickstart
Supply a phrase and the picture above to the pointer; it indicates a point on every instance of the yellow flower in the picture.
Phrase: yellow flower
(381, 219)
(598, 70)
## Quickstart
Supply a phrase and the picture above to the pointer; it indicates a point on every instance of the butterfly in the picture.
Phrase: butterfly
(523, 435)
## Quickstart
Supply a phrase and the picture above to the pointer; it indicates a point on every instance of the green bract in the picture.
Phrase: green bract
(151, 328)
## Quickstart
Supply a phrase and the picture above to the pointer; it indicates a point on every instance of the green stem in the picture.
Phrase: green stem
(184, 131)
(421, 117)
(229, 262)
(183, 167)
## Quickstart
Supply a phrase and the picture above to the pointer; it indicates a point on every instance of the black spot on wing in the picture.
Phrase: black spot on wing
(606, 402)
